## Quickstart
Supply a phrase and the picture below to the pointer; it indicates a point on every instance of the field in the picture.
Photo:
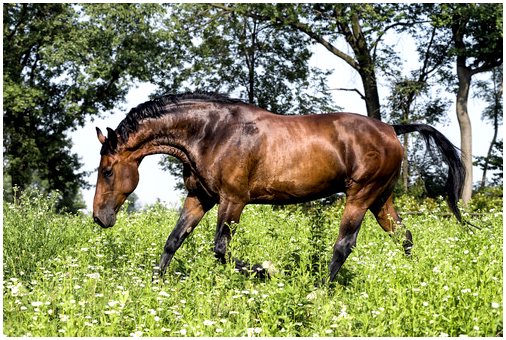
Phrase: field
(64, 276)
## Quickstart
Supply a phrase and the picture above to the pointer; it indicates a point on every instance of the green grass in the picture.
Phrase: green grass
(64, 276)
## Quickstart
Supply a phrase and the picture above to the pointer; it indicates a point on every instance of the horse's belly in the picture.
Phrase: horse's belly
(297, 186)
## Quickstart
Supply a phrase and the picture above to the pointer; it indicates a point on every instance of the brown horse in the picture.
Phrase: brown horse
(234, 154)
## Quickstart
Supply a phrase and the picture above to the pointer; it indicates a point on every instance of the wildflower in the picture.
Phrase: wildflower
(209, 323)
(164, 294)
(466, 290)
(342, 312)
(112, 303)
(425, 303)
(23, 308)
(328, 331)
(95, 276)
(476, 328)
(37, 304)
(219, 330)
(495, 305)
(252, 331)
(84, 249)
(14, 290)
(183, 331)
(157, 318)
(136, 334)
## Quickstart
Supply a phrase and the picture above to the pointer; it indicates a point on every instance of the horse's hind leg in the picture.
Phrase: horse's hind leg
(387, 217)
(348, 230)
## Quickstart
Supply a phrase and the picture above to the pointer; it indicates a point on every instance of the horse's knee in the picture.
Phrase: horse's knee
(171, 245)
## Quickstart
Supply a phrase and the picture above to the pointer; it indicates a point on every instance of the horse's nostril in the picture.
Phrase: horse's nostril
(97, 221)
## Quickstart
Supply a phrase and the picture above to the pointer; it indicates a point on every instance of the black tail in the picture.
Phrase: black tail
(456, 170)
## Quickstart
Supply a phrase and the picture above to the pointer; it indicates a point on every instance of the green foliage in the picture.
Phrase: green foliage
(247, 57)
(487, 199)
(64, 276)
(62, 64)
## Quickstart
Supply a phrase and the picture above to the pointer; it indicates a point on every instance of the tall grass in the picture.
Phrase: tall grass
(64, 276)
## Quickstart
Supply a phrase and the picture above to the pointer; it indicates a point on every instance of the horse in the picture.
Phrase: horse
(234, 153)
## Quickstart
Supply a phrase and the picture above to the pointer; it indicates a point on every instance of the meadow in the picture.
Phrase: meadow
(65, 276)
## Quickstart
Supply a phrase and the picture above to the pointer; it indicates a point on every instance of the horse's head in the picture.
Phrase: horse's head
(118, 176)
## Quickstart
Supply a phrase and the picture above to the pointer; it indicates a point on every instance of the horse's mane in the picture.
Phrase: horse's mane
(158, 107)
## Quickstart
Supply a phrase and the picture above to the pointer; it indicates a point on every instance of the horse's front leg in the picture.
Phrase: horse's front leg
(193, 211)
(229, 213)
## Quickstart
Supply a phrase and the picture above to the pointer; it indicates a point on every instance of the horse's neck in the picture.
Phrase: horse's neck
(165, 135)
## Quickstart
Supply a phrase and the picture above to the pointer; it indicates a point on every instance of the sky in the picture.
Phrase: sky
(155, 184)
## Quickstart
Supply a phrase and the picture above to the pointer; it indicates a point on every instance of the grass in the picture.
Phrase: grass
(64, 276)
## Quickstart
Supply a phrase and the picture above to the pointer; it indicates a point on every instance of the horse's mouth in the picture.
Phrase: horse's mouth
(98, 221)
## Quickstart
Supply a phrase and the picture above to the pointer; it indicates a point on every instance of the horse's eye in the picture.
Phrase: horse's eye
(107, 172)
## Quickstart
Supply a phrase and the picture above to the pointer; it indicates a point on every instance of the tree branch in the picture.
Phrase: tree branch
(351, 90)
(304, 28)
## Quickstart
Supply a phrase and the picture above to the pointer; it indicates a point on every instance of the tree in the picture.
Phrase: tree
(249, 58)
(413, 98)
(62, 64)
(491, 91)
(362, 26)
(476, 35)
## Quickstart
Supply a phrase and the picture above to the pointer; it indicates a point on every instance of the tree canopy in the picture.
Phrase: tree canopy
(65, 63)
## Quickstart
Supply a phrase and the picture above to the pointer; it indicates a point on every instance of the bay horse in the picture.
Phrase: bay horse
(234, 154)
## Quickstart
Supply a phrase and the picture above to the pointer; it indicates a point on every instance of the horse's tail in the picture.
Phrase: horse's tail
(456, 170)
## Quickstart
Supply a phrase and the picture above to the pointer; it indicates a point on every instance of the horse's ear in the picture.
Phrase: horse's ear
(101, 136)
(112, 138)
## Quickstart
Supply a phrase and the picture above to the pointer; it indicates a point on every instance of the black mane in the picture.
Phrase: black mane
(156, 108)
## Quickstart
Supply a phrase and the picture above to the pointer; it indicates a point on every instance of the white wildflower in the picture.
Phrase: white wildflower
(95, 276)
(164, 294)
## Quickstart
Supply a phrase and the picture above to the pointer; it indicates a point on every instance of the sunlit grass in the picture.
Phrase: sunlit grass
(64, 276)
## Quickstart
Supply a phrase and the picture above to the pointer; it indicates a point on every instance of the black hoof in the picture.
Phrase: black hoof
(408, 243)
(251, 270)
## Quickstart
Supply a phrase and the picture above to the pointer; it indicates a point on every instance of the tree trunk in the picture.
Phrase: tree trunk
(372, 102)
(405, 165)
(464, 76)
(497, 95)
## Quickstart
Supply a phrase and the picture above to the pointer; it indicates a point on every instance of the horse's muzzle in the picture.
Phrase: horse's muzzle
(104, 222)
